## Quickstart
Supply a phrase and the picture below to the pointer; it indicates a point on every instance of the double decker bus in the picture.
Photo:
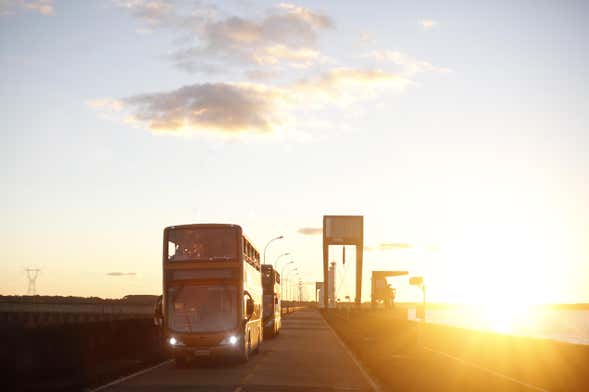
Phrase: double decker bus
(212, 292)
(272, 300)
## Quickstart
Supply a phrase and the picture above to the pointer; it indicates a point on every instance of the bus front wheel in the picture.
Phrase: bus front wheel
(243, 355)
(257, 350)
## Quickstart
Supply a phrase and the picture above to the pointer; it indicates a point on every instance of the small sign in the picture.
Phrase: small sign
(343, 229)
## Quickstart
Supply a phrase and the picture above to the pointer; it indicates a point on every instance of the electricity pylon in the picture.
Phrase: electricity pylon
(32, 274)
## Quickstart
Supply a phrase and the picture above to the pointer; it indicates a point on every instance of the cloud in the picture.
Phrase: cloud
(260, 75)
(393, 245)
(285, 34)
(389, 246)
(121, 274)
(237, 108)
(367, 38)
(276, 53)
(428, 24)
(259, 49)
(310, 230)
(338, 78)
(152, 12)
(44, 7)
(106, 104)
(218, 107)
(409, 65)
(346, 85)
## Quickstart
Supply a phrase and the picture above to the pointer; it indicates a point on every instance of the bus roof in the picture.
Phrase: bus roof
(195, 225)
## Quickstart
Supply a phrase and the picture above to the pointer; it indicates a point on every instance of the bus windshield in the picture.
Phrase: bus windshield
(202, 308)
(202, 243)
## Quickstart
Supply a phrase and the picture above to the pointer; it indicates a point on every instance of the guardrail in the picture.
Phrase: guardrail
(291, 309)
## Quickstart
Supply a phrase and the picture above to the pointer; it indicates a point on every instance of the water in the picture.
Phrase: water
(566, 325)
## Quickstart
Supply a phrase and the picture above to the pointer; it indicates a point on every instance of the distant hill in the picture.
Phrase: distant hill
(49, 299)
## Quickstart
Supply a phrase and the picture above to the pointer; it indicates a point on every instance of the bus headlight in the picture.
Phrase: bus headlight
(230, 340)
(175, 342)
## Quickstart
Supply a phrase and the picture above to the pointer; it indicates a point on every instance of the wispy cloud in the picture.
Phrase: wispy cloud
(389, 246)
(341, 81)
(367, 38)
(121, 273)
(106, 104)
(44, 7)
(154, 13)
(428, 24)
(410, 66)
(393, 245)
(310, 231)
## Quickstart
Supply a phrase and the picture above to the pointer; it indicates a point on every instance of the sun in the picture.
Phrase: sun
(504, 317)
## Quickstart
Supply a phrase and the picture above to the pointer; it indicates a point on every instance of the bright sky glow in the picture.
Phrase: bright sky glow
(457, 129)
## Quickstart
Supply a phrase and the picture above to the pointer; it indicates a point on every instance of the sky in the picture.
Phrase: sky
(458, 129)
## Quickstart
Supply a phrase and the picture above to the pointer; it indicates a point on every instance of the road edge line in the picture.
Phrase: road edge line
(373, 384)
(490, 371)
(130, 376)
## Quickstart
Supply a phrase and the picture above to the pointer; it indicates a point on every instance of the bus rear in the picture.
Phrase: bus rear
(211, 304)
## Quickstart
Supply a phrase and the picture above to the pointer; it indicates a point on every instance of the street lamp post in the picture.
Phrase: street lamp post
(286, 288)
(282, 277)
(278, 259)
(290, 286)
(269, 242)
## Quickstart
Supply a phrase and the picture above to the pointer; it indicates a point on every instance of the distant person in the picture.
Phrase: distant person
(389, 298)
(198, 250)
(179, 253)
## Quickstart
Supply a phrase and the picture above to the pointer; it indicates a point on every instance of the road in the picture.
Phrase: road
(306, 357)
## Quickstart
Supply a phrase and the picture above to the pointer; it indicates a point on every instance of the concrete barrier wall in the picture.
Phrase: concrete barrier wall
(73, 356)
(40, 307)
(41, 314)
(49, 346)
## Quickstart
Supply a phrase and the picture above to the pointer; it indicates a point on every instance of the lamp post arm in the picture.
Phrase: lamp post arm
(278, 259)
(269, 242)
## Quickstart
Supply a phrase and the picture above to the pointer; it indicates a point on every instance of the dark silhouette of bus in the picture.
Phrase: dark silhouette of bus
(272, 302)
(212, 292)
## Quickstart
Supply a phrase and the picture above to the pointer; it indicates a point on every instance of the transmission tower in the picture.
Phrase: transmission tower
(32, 275)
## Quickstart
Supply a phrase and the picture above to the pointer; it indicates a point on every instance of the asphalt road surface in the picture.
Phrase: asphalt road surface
(306, 357)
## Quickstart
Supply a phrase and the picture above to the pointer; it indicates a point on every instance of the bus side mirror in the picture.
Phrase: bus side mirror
(249, 307)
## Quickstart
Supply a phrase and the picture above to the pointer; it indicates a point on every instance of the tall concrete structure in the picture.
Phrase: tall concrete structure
(331, 285)
(343, 230)
(319, 293)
